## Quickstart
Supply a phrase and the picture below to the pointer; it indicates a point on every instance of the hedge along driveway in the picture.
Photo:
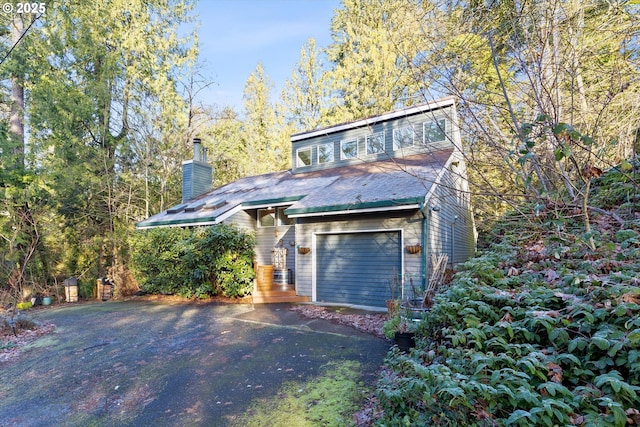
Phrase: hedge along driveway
(141, 363)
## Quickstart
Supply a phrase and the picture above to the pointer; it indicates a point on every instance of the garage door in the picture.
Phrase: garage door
(356, 268)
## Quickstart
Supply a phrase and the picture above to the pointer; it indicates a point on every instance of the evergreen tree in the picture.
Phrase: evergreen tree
(305, 94)
(375, 42)
(266, 148)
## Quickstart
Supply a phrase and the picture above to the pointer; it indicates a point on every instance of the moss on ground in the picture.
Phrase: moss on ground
(328, 400)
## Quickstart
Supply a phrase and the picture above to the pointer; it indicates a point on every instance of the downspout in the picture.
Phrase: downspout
(425, 242)
(453, 239)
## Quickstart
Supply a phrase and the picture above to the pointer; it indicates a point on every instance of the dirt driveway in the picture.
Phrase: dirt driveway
(140, 363)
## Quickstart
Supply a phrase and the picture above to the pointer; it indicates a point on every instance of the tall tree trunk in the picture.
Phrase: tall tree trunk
(16, 121)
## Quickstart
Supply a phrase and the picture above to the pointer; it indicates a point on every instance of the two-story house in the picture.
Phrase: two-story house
(364, 205)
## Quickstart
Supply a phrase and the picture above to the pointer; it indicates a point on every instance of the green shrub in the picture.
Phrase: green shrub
(199, 262)
(551, 337)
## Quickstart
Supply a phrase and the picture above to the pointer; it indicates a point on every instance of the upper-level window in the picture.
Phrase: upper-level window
(266, 217)
(403, 137)
(434, 131)
(375, 143)
(325, 152)
(303, 157)
(284, 219)
(348, 149)
(271, 217)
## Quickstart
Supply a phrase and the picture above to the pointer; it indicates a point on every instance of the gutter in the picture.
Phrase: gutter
(379, 205)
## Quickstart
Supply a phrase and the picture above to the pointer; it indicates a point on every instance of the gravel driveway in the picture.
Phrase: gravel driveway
(140, 363)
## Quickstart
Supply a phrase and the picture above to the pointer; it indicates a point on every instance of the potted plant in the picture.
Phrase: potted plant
(402, 330)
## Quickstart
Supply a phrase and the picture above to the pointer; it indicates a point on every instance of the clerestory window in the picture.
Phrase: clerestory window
(325, 153)
(375, 143)
(403, 137)
(348, 149)
(303, 157)
(435, 131)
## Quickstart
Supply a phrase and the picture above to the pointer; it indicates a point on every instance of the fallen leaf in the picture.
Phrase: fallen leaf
(631, 298)
(555, 372)
(633, 417)
(507, 318)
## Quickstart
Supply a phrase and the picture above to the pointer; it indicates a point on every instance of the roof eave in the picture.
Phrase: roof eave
(186, 222)
(351, 208)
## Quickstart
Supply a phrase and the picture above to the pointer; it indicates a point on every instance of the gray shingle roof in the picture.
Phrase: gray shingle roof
(392, 183)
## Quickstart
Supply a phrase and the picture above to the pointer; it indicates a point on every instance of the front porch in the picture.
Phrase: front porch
(272, 296)
(274, 286)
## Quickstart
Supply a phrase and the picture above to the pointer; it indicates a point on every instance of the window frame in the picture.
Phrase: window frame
(343, 142)
(428, 127)
(396, 131)
(281, 218)
(375, 136)
(271, 212)
(332, 151)
(299, 162)
(342, 152)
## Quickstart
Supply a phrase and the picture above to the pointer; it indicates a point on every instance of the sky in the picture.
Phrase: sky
(235, 35)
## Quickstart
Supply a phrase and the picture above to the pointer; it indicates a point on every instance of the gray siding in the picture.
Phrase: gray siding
(415, 121)
(196, 179)
(243, 220)
(268, 238)
(409, 222)
(451, 227)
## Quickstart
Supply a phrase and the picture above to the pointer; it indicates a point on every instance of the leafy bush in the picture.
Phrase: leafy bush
(537, 331)
(200, 262)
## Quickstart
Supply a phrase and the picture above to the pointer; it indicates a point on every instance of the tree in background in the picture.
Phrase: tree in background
(228, 155)
(529, 76)
(267, 147)
(22, 195)
(374, 44)
(305, 95)
(95, 75)
(541, 86)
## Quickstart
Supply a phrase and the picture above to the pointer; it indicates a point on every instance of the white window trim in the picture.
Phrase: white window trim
(274, 213)
(299, 163)
(279, 210)
(424, 130)
(333, 152)
(370, 138)
(396, 131)
(344, 141)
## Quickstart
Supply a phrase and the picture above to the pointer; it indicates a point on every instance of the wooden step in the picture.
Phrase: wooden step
(277, 296)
